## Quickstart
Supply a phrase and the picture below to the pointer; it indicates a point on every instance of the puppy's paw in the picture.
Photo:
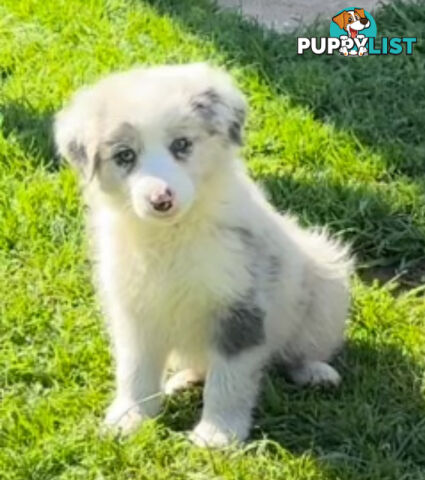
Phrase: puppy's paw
(315, 373)
(233, 428)
(182, 380)
(207, 434)
(123, 416)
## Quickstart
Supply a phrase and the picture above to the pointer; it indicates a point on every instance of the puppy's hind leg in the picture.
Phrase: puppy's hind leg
(321, 330)
(314, 373)
(182, 380)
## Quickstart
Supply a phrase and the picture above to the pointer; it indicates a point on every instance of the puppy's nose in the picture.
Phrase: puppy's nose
(364, 21)
(162, 201)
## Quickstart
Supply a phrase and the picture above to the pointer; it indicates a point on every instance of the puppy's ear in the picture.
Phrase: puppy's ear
(360, 12)
(340, 19)
(71, 130)
(222, 106)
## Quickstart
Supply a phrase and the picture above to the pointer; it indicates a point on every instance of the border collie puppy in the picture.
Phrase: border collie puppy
(197, 273)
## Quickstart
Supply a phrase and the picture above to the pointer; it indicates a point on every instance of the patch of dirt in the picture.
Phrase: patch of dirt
(406, 279)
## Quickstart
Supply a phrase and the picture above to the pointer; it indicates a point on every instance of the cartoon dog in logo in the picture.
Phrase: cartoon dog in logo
(352, 21)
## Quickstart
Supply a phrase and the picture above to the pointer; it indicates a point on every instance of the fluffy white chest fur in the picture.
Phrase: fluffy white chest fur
(174, 279)
(195, 269)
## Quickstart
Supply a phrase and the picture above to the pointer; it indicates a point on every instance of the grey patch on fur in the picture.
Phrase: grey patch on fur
(240, 115)
(249, 242)
(264, 266)
(78, 155)
(235, 129)
(122, 137)
(235, 133)
(239, 328)
(212, 96)
(274, 267)
(124, 134)
(77, 152)
(246, 236)
(205, 105)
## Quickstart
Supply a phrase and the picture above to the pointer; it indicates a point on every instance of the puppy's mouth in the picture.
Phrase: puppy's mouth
(352, 32)
(364, 23)
(164, 215)
(169, 217)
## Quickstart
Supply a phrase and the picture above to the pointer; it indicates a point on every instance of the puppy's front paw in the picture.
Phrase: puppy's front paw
(124, 416)
(221, 433)
(208, 434)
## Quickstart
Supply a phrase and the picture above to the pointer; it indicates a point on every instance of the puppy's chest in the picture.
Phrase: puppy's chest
(182, 279)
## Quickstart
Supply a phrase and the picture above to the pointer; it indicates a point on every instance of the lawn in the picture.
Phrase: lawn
(339, 142)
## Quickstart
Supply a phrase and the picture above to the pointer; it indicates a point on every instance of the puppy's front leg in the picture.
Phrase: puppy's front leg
(230, 394)
(139, 365)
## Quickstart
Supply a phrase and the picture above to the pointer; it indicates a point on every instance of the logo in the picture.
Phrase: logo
(353, 28)
(353, 33)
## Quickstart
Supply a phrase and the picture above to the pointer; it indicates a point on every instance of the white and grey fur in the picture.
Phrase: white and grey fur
(217, 284)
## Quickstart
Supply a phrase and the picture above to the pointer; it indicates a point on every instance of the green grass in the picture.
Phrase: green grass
(340, 143)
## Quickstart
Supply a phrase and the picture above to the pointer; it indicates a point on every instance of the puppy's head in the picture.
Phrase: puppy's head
(352, 21)
(150, 138)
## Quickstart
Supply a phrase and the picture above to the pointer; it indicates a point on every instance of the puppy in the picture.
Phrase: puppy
(353, 22)
(196, 270)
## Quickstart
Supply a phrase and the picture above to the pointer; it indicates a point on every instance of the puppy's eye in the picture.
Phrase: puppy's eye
(180, 147)
(350, 20)
(125, 158)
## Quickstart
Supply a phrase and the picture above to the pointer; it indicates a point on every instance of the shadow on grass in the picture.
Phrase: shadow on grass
(375, 420)
(32, 131)
(358, 213)
(372, 426)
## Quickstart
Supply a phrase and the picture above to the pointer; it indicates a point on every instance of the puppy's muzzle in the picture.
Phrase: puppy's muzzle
(162, 200)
